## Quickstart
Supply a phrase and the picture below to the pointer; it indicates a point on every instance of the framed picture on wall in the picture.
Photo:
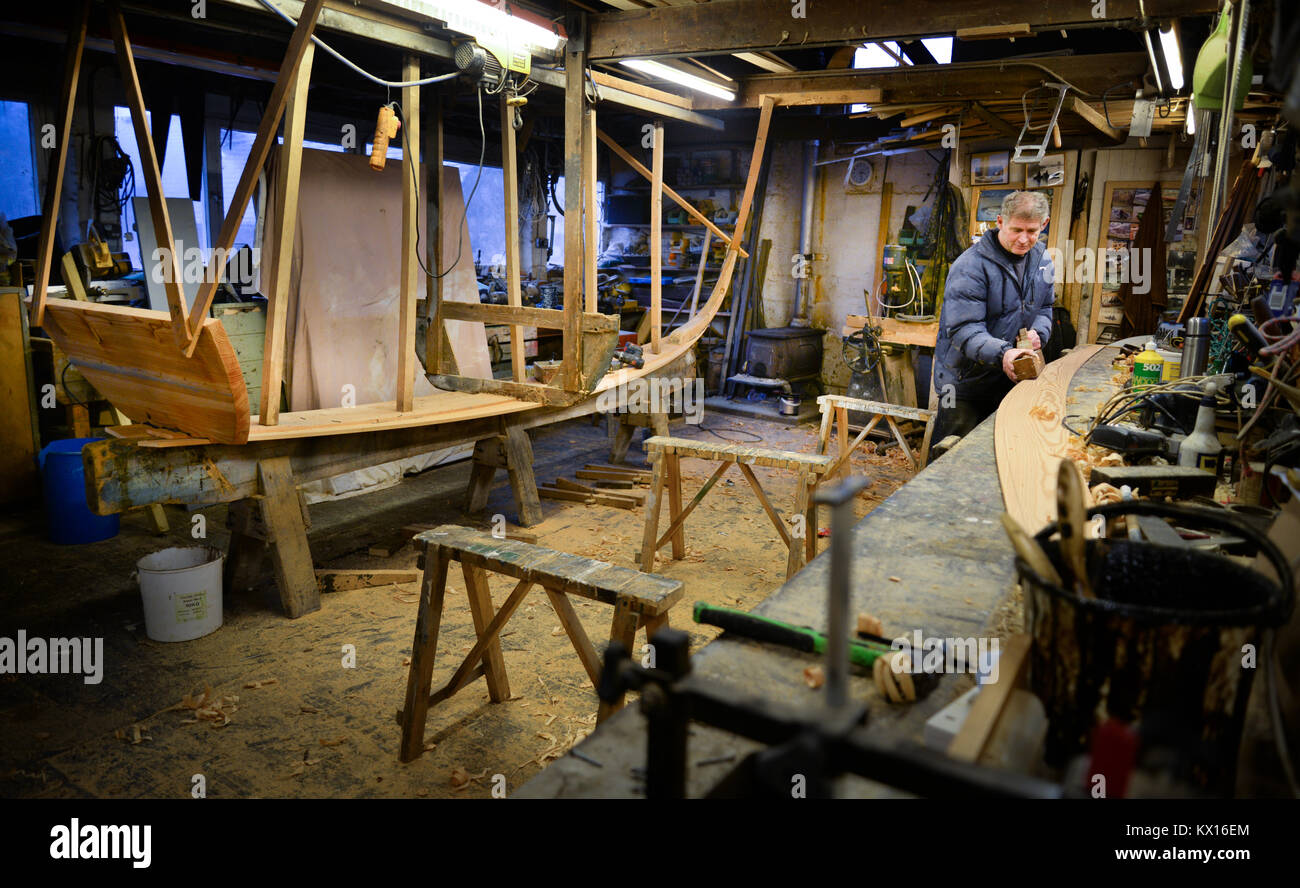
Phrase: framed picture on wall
(1123, 206)
(990, 168)
(986, 204)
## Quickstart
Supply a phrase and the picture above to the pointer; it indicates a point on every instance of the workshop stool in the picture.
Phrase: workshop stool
(666, 454)
(835, 410)
(639, 600)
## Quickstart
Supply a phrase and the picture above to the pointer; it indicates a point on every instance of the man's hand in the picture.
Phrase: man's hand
(1009, 359)
(1034, 342)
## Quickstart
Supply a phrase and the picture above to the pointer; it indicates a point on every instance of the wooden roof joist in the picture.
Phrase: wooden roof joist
(967, 81)
(728, 26)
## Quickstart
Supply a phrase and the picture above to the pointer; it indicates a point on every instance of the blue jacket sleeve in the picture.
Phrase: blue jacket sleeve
(965, 303)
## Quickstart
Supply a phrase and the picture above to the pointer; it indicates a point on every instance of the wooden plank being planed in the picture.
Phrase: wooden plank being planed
(1029, 440)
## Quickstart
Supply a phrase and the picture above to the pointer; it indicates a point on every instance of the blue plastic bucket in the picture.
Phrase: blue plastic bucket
(67, 517)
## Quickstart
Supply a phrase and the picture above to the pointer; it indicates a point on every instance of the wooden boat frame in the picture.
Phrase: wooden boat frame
(137, 380)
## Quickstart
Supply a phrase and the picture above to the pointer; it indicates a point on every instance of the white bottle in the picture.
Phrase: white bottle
(1201, 448)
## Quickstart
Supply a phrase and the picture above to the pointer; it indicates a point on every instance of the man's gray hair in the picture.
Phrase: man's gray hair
(1025, 205)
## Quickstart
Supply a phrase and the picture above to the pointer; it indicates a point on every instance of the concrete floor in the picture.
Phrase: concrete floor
(322, 730)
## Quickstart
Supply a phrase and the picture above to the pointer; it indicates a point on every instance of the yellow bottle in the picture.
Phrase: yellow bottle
(1148, 367)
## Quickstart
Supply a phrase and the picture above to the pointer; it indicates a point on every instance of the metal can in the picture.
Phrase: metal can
(1196, 346)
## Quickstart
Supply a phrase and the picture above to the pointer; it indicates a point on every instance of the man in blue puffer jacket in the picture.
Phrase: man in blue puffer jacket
(996, 287)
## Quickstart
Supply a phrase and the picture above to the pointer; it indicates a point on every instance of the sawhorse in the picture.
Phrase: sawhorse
(835, 410)
(666, 454)
(511, 450)
(639, 600)
(276, 519)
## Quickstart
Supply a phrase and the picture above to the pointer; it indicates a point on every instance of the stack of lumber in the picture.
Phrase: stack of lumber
(610, 486)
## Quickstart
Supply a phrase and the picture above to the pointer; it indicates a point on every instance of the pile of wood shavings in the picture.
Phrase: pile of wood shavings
(208, 707)
(1088, 456)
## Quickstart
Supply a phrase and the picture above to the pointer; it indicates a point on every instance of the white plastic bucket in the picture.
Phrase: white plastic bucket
(181, 589)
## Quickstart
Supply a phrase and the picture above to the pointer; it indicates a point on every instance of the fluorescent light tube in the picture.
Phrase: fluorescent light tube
(482, 21)
(699, 84)
(1173, 58)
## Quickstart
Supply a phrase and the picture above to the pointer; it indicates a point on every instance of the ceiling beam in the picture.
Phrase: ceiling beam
(1094, 117)
(410, 36)
(1005, 80)
(729, 26)
(993, 120)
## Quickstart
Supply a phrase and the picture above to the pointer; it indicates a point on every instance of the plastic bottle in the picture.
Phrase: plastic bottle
(1201, 448)
(1148, 367)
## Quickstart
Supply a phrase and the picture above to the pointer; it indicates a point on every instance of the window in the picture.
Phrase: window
(871, 55)
(18, 196)
(235, 148)
(174, 183)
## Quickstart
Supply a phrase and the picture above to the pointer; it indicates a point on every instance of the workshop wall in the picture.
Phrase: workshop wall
(846, 229)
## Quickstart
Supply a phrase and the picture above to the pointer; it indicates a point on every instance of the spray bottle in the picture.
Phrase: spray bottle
(1201, 448)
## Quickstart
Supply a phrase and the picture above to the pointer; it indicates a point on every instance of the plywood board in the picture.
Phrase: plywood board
(185, 232)
(131, 357)
(344, 287)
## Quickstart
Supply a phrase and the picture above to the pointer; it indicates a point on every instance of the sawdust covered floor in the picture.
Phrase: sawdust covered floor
(282, 716)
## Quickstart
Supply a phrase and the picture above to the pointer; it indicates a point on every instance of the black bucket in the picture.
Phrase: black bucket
(1161, 645)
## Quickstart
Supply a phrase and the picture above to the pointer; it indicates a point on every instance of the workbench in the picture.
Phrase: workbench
(933, 556)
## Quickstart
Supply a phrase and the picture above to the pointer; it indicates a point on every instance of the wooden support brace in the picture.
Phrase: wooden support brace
(282, 513)
(284, 230)
(510, 174)
(656, 237)
(262, 143)
(676, 528)
(54, 176)
(480, 607)
(172, 274)
(406, 359)
(575, 103)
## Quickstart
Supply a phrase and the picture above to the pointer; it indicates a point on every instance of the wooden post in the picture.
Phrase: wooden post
(592, 245)
(262, 143)
(699, 274)
(656, 237)
(406, 359)
(575, 101)
(171, 271)
(54, 175)
(287, 534)
(285, 227)
(433, 152)
(882, 238)
(510, 173)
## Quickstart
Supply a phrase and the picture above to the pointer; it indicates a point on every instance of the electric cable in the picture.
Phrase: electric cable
(391, 84)
(460, 227)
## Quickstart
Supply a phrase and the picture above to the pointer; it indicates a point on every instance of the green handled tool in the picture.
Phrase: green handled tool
(800, 638)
